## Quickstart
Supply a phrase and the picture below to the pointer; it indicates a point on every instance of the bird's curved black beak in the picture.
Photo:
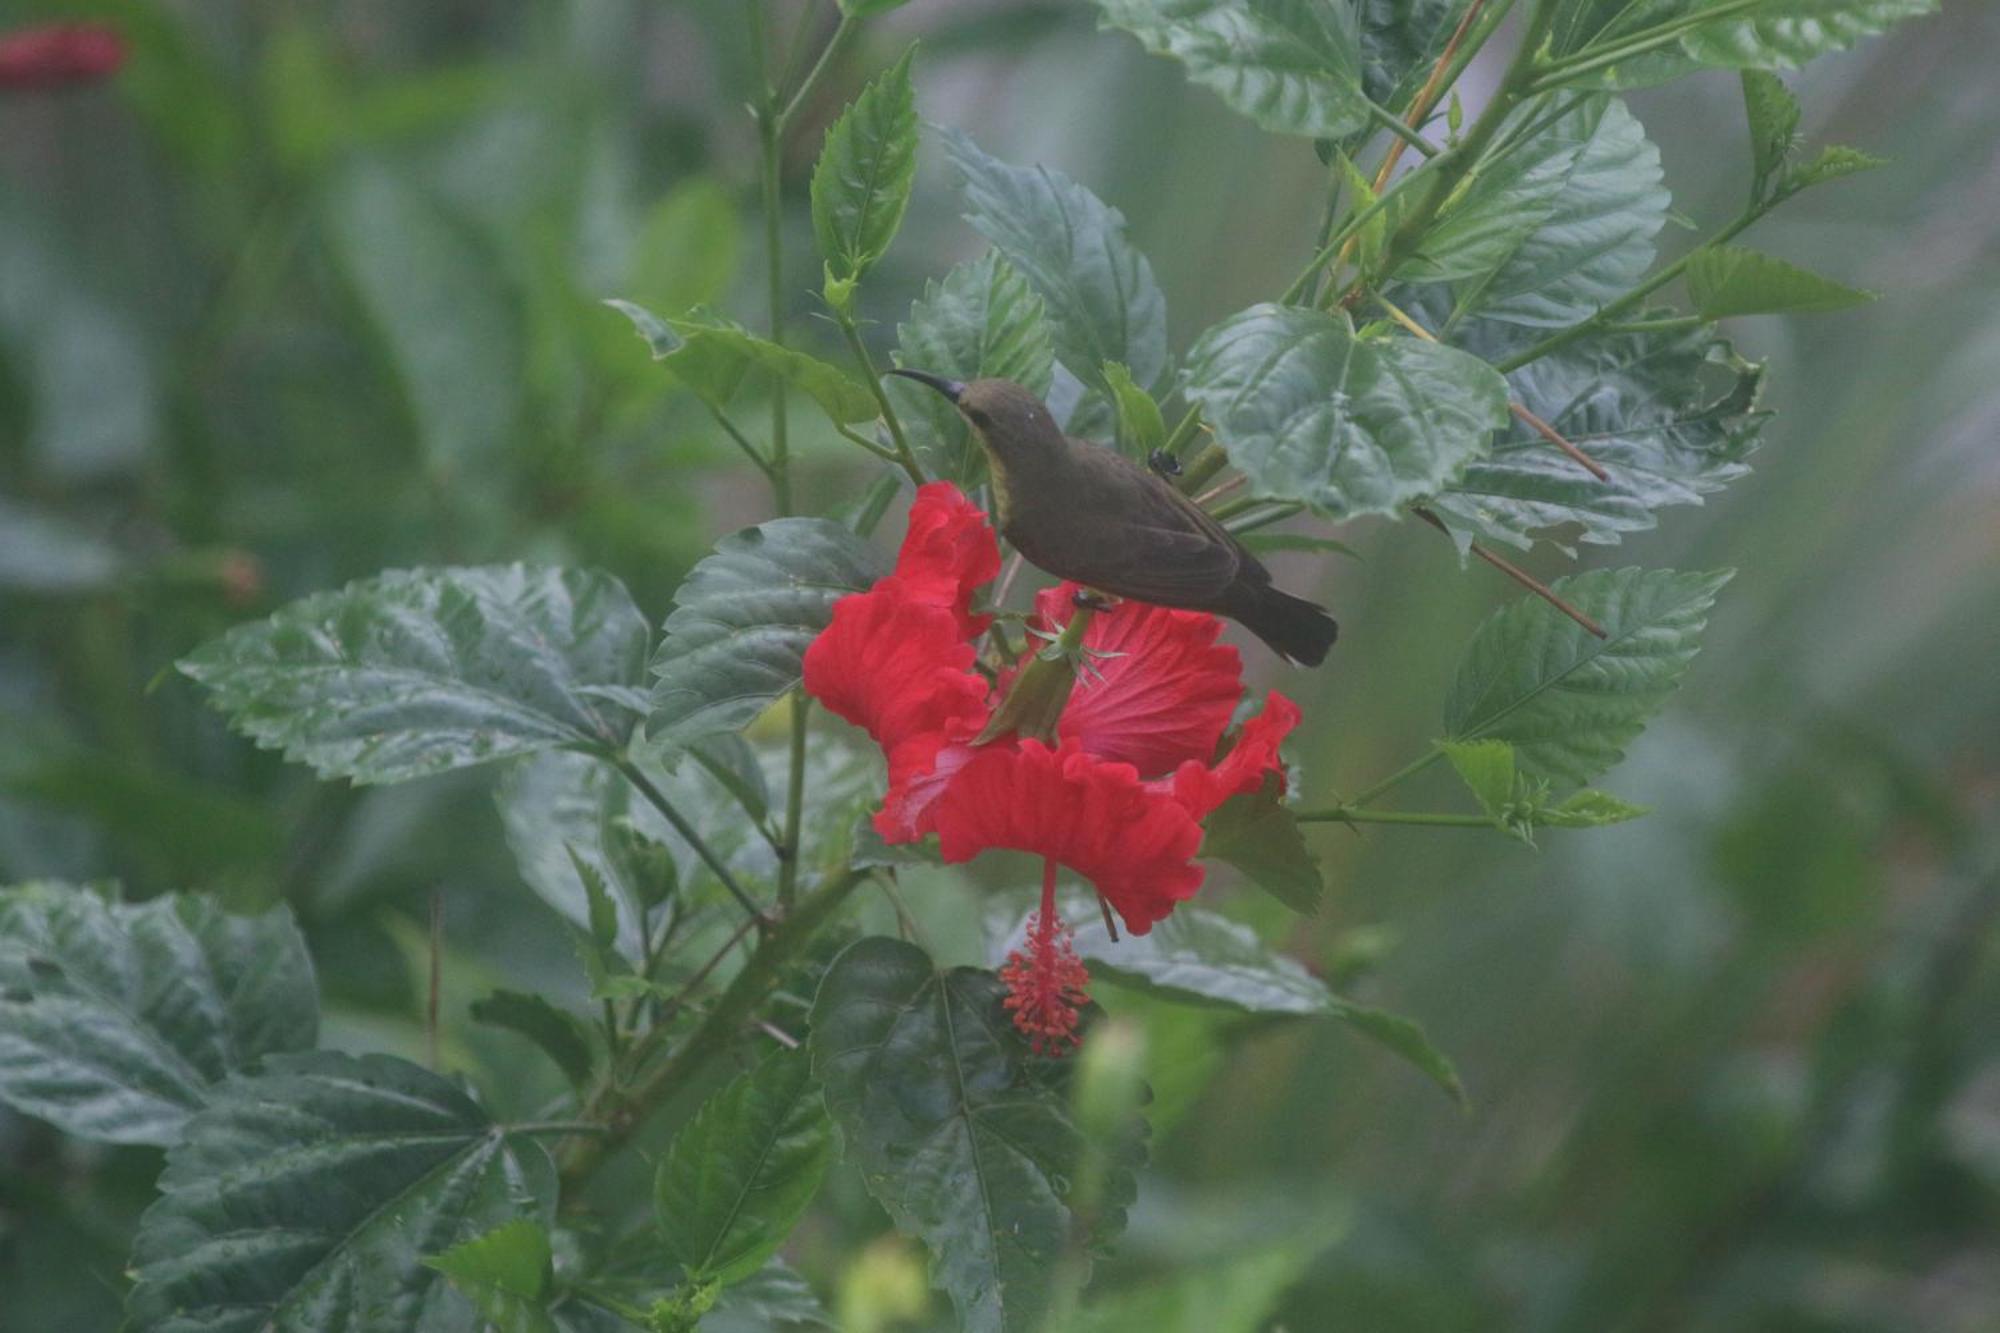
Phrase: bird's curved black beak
(949, 388)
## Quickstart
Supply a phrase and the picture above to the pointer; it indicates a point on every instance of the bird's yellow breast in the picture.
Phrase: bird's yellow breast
(1002, 497)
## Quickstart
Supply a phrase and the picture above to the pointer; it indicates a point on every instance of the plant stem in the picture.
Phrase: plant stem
(622, 1114)
(556, 1127)
(1278, 513)
(658, 799)
(795, 793)
(1556, 73)
(1520, 576)
(849, 25)
(1396, 779)
(1342, 814)
(750, 450)
(904, 457)
(1406, 134)
(769, 131)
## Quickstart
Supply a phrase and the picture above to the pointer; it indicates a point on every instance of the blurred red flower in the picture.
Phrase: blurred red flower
(1117, 793)
(52, 55)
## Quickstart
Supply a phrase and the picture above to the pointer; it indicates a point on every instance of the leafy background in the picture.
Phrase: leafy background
(313, 292)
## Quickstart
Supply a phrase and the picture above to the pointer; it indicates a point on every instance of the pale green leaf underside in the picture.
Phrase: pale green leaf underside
(418, 671)
(741, 1172)
(1350, 426)
(961, 1134)
(712, 356)
(1293, 66)
(116, 1020)
(743, 619)
(306, 1199)
(1567, 701)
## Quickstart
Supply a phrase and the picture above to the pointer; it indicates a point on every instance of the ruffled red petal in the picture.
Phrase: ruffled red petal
(920, 770)
(51, 55)
(948, 552)
(1200, 789)
(1162, 691)
(1095, 817)
(896, 668)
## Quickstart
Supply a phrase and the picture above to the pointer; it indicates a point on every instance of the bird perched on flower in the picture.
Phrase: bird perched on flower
(1089, 514)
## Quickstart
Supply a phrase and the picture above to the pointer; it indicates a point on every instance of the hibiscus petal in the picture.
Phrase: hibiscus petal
(1200, 788)
(895, 667)
(1134, 844)
(1161, 694)
(948, 551)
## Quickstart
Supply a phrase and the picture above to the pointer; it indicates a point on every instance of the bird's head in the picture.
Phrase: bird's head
(1015, 426)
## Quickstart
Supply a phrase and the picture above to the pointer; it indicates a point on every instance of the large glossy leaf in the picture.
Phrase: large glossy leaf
(1567, 701)
(861, 184)
(1293, 66)
(451, 325)
(306, 1199)
(712, 356)
(743, 619)
(1400, 42)
(1351, 426)
(1738, 34)
(419, 671)
(961, 1134)
(1556, 227)
(1670, 416)
(1103, 302)
(1725, 280)
(982, 321)
(116, 1020)
(741, 1172)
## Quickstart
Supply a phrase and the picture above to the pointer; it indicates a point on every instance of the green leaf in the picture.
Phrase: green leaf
(982, 322)
(1200, 957)
(1566, 700)
(1517, 803)
(862, 9)
(1725, 280)
(562, 1036)
(960, 1133)
(712, 356)
(861, 185)
(419, 671)
(1256, 833)
(507, 1274)
(1103, 302)
(1769, 34)
(1141, 429)
(115, 1020)
(308, 1197)
(1589, 808)
(1670, 416)
(1350, 426)
(1773, 116)
(743, 620)
(1361, 197)
(687, 251)
(738, 1177)
(1400, 41)
(1830, 163)
(1487, 768)
(1555, 228)
(451, 325)
(1293, 66)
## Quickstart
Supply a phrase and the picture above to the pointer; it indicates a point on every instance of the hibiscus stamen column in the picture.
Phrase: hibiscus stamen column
(1045, 979)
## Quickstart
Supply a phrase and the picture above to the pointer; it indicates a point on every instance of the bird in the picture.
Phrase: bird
(1086, 513)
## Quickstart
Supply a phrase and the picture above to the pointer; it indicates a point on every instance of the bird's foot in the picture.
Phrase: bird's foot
(1089, 599)
(1164, 463)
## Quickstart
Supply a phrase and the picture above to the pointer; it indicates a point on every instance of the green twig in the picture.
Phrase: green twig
(658, 799)
(1342, 814)
(903, 457)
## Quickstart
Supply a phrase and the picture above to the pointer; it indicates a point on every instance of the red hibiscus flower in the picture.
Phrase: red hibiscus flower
(1096, 750)
(55, 54)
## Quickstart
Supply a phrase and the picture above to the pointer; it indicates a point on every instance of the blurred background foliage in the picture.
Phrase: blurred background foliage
(312, 290)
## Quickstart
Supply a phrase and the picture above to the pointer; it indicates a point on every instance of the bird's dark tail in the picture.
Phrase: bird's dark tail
(1293, 627)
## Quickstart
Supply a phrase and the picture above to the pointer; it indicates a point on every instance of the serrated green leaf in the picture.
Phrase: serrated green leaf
(561, 1035)
(1349, 426)
(418, 671)
(116, 1020)
(1487, 769)
(1255, 833)
(1773, 116)
(712, 356)
(983, 321)
(1400, 42)
(1141, 429)
(743, 619)
(1103, 303)
(1726, 280)
(861, 184)
(1589, 808)
(306, 1198)
(1361, 197)
(1566, 700)
(1555, 228)
(738, 1177)
(1293, 66)
(1200, 957)
(960, 1133)
(1830, 163)
(506, 1273)
(1769, 34)
(1670, 416)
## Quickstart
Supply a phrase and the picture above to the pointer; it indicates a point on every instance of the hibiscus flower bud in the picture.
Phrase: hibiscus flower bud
(1034, 706)
(55, 54)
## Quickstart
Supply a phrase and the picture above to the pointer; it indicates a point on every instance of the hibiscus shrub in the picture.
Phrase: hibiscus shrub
(1481, 341)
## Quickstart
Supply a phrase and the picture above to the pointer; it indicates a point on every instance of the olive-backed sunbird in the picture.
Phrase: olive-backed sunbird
(1086, 513)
